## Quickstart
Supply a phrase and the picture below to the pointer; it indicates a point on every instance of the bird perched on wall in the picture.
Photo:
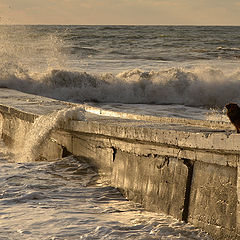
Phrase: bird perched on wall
(233, 112)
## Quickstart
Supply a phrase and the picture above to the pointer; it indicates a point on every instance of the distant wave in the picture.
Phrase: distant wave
(83, 50)
(206, 87)
(228, 49)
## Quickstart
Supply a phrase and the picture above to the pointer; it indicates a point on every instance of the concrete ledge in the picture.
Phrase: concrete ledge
(149, 118)
(187, 169)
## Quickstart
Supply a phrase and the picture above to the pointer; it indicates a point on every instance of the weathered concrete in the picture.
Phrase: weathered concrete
(214, 189)
(186, 168)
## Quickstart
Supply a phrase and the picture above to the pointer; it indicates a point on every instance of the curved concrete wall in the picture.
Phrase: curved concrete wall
(185, 169)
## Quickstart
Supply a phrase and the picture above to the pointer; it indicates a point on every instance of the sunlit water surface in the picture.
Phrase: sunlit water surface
(176, 71)
(66, 200)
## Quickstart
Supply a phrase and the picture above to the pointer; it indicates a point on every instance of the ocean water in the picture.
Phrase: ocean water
(174, 71)
(66, 200)
(185, 65)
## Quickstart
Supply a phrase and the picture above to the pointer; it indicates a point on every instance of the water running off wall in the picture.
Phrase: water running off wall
(26, 147)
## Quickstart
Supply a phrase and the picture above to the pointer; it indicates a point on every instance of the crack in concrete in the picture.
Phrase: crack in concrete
(190, 166)
(165, 162)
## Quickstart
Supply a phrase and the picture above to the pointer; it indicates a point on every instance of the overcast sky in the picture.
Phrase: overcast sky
(194, 12)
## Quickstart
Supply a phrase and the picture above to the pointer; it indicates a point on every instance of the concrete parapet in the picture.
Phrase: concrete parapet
(190, 171)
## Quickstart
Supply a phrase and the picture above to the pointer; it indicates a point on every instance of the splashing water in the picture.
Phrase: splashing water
(41, 129)
(47, 60)
(207, 87)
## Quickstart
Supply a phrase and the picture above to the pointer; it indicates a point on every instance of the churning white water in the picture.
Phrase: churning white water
(198, 87)
(66, 200)
(181, 71)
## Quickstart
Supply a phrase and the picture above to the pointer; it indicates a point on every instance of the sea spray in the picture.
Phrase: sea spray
(40, 131)
(200, 87)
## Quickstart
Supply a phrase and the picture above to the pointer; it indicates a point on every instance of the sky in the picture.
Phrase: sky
(114, 12)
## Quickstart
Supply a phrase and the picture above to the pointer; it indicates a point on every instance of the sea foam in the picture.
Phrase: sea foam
(205, 87)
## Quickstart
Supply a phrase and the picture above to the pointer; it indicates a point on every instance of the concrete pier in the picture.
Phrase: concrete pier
(185, 168)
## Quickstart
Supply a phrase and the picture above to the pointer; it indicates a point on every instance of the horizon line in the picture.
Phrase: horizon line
(55, 24)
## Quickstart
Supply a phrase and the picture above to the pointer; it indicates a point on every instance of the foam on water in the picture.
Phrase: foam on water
(197, 87)
(66, 200)
(48, 60)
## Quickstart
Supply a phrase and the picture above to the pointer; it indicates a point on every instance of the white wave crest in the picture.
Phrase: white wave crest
(207, 87)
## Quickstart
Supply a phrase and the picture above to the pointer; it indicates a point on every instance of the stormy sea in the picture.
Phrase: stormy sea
(173, 71)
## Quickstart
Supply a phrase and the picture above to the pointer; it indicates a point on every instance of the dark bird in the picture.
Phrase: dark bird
(233, 112)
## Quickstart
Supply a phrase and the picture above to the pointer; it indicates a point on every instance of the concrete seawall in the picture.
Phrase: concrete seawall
(185, 168)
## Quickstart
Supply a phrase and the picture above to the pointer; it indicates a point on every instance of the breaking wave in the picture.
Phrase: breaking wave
(206, 87)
